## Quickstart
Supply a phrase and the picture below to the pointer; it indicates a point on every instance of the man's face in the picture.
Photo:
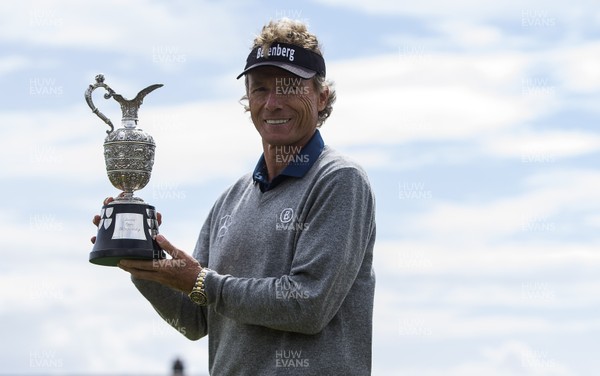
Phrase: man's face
(283, 107)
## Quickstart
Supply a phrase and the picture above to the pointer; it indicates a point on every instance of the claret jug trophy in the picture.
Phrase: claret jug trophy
(128, 225)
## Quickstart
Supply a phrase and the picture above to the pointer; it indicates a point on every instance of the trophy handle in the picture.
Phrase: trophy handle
(88, 99)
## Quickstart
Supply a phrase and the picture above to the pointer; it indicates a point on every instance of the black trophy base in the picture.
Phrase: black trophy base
(126, 231)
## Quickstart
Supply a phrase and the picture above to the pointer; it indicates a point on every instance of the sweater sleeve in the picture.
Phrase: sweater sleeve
(174, 306)
(339, 227)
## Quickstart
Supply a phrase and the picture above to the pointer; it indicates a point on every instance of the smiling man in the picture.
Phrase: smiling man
(281, 278)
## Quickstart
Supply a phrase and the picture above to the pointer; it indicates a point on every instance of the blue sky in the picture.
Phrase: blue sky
(476, 121)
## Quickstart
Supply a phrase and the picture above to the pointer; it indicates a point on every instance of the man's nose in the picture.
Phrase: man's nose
(274, 100)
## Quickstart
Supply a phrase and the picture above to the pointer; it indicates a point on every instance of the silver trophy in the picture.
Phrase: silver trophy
(128, 225)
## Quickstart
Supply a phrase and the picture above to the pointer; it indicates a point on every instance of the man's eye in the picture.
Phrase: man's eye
(259, 89)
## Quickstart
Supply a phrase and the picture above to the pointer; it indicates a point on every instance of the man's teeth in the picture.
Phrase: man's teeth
(278, 121)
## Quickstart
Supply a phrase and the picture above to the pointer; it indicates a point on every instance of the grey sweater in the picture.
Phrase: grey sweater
(292, 287)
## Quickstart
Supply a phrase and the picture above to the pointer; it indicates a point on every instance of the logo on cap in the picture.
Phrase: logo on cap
(277, 51)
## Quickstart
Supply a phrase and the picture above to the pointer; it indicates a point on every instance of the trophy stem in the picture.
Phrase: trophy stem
(128, 197)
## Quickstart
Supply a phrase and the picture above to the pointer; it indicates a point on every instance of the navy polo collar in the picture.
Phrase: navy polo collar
(298, 164)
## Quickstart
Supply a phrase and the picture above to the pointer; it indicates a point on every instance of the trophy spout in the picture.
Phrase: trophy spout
(130, 107)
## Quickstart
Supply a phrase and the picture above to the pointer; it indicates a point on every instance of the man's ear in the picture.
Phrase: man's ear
(323, 97)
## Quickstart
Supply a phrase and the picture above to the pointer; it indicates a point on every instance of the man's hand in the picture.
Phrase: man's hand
(179, 272)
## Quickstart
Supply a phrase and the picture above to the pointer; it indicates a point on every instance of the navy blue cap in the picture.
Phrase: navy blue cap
(295, 59)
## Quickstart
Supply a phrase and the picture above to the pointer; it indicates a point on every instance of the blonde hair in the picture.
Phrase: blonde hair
(295, 32)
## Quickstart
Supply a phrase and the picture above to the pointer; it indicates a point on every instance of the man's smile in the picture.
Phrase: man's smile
(277, 121)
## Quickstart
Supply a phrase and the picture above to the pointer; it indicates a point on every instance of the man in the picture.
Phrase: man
(281, 278)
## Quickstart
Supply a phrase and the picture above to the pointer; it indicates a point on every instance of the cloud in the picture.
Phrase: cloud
(395, 99)
(541, 146)
(472, 10)
(158, 30)
(67, 143)
(13, 63)
(538, 211)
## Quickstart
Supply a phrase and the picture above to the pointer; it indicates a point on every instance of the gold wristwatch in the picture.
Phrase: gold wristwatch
(198, 295)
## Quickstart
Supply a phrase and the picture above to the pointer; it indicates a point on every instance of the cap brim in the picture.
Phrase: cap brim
(295, 69)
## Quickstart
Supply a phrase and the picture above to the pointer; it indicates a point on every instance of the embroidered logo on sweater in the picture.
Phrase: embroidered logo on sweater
(286, 215)
(287, 220)
(224, 224)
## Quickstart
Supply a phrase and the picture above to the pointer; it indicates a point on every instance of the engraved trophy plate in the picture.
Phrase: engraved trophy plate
(128, 225)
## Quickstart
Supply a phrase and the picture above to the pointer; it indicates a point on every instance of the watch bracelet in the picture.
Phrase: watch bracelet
(199, 284)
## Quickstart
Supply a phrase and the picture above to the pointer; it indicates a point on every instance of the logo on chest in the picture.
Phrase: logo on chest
(287, 220)
(224, 224)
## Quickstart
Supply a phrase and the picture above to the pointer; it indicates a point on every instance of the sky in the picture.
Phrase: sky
(477, 122)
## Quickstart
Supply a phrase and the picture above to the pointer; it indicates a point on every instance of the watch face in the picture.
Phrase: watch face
(198, 297)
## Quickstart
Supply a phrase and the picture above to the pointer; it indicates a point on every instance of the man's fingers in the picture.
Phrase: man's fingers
(167, 246)
(93, 239)
(159, 218)
(136, 265)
